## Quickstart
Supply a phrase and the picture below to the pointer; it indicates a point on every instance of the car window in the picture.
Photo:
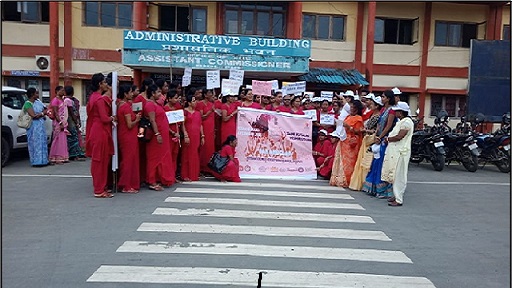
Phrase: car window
(14, 100)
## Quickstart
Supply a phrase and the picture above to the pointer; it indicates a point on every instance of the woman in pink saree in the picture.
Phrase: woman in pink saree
(59, 149)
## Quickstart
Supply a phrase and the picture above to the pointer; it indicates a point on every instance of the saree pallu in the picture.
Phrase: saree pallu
(74, 147)
(350, 147)
(373, 185)
(36, 137)
(337, 175)
(363, 164)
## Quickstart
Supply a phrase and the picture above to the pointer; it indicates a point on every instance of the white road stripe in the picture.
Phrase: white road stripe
(266, 185)
(249, 277)
(267, 203)
(264, 231)
(265, 251)
(265, 192)
(263, 215)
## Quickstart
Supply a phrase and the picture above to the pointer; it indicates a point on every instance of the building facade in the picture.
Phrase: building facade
(420, 47)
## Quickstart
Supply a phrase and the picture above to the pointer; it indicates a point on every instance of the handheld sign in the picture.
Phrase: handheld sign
(187, 77)
(230, 87)
(212, 79)
(326, 95)
(275, 84)
(294, 87)
(137, 107)
(326, 119)
(175, 116)
(237, 75)
(261, 88)
(311, 114)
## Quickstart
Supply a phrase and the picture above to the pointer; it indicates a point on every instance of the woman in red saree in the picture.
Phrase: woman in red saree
(350, 146)
(229, 112)
(231, 172)
(99, 144)
(325, 168)
(142, 97)
(174, 128)
(194, 139)
(295, 106)
(249, 101)
(322, 148)
(128, 142)
(159, 166)
(207, 110)
(217, 104)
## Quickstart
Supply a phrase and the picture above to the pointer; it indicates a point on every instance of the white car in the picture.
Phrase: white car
(14, 137)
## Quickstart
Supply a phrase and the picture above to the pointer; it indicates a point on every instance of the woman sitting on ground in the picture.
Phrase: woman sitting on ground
(230, 173)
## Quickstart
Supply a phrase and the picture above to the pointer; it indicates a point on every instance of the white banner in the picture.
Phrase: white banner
(187, 77)
(212, 79)
(294, 88)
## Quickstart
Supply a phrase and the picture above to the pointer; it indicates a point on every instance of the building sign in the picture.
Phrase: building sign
(197, 60)
(241, 45)
(25, 73)
(221, 52)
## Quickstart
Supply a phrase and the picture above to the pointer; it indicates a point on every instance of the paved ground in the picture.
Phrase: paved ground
(453, 231)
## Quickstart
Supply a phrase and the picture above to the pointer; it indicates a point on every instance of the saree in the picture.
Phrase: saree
(373, 185)
(350, 148)
(36, 137)
(73, 139)
(364, 157)
(337, 175)
(59, 149)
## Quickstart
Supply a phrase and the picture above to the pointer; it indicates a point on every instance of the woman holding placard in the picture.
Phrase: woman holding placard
(159, 164)
(173, 104)
(128, 142)
(229, 112)
(207, 110)
(193, 140)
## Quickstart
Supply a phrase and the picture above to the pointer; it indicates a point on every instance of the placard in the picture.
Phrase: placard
(175, 116)
(309, 95)
(187, 77)
(294, 87)
(275, 84)
(311, 114)
(137, 107)
(238, 75)
(326, 95)
(212, 79)
(261, 88)
(326, 119)
(230, 87)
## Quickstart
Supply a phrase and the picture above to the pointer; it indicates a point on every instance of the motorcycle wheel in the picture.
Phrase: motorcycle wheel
(504, 164)
(470, 163)
(438, 162)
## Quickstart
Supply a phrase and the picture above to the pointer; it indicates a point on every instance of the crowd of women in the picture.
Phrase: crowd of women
(364, 149)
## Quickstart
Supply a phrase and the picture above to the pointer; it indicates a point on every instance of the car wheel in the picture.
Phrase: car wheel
(6, 152)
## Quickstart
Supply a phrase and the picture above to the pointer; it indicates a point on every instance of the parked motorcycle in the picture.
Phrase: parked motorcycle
(463, 149)
(428, 144)
(495, 148)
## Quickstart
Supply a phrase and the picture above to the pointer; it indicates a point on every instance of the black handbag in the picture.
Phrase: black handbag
(147, 130)
(218, 163)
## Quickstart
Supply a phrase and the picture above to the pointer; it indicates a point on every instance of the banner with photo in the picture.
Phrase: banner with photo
(274, 145)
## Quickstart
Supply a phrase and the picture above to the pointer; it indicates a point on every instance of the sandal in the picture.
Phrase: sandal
(132, 191)
(104, 195)
(156, 187)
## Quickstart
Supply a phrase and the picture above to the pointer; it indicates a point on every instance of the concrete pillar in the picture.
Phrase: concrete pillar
(54, 47)
(370, 37)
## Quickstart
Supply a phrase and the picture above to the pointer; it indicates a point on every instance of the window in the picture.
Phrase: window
(454, 105)
(395, 31)
(30, 12)
(255, 18)
(41, 84)
(176, 18)
(455, 34)
(506, 32)
(108, 14)
(323, 27)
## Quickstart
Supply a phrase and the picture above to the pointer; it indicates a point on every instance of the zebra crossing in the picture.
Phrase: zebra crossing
(212, 234)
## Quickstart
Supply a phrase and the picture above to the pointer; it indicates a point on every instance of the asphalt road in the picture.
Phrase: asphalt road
(454, 227)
